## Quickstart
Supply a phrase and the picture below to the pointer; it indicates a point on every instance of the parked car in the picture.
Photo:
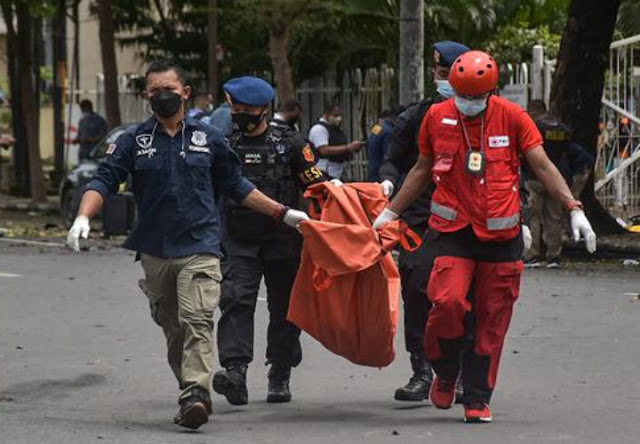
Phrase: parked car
(73, 185)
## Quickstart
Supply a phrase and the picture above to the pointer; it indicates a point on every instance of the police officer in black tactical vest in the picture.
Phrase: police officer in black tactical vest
(280, 163)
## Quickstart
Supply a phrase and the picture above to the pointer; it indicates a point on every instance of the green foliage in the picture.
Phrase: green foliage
(514, 43)
(330, 34)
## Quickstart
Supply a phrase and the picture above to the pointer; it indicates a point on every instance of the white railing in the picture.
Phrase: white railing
(617, 171)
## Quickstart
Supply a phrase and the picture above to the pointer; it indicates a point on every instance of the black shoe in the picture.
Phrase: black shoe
(279, 383)
(534, 262)
(194, 410)
(420, 383)
(554, 262)
(232, 383)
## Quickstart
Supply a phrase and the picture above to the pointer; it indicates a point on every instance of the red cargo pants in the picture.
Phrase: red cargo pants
(467, 328)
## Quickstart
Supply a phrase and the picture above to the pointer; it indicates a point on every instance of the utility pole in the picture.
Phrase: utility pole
(59, 76)
(411, 51)
(212, 34)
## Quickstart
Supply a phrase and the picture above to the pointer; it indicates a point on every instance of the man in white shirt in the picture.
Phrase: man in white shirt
(331, 142)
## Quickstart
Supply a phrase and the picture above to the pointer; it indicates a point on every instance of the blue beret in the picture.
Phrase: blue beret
(446, 52)
(249, 90)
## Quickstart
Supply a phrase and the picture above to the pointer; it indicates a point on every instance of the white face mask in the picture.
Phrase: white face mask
(470, 107)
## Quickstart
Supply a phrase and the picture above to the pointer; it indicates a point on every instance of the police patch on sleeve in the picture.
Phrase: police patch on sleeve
(199, 138)
(376, 129)
(307, 152)
(111, 148)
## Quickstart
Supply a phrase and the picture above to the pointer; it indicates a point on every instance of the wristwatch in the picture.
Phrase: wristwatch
(574, 205)
(280, 211)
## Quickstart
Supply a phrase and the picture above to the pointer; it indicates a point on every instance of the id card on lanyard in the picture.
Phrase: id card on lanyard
(476, 160)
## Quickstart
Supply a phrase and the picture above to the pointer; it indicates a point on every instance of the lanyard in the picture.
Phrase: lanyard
(183, 153)
(466, 135)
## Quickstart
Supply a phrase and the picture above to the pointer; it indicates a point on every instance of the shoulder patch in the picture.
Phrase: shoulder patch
(376, 129)
(307, 152)
(111, 149)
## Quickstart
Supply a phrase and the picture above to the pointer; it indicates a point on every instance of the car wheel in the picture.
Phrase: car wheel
(68, 208)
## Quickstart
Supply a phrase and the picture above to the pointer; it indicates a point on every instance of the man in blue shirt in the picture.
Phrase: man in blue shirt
(220, 118)
(180, 168)
(91, 128)
(378, 141)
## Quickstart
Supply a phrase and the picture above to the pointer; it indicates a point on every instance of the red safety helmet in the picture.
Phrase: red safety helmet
(474, 73)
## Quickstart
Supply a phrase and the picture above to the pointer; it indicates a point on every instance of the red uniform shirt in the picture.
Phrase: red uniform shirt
(490, 202)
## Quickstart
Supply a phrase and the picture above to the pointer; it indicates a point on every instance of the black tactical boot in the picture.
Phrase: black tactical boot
(279, 375)
(232, 383)
(418, 387)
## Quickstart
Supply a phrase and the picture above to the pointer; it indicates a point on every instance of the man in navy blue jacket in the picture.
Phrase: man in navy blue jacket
(180, 168)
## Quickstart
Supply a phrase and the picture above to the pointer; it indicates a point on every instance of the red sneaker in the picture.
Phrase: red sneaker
(477, 412)
(443, 392)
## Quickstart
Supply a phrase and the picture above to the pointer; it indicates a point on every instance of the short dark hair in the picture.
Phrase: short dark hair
(330, 107)
(86, 104)
(537, 105)
(164, 65)
(290, 106)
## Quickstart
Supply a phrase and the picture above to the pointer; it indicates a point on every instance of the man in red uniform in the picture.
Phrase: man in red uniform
(472, 145)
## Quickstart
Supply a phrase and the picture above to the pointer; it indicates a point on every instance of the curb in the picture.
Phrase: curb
(29, 206)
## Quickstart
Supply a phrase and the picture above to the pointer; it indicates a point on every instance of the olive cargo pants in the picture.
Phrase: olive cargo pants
(183, 293)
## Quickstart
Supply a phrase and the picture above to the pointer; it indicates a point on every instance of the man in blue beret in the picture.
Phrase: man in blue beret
(415, 267)
(281, 164)
(178, 166)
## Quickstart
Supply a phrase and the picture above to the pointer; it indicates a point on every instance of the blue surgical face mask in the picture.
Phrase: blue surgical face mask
(444, 89)
(470, 107)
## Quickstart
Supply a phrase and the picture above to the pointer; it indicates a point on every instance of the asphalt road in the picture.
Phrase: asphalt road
(82, 362)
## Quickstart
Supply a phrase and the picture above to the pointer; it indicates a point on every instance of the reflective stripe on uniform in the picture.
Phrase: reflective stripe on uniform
(503, 223)
(444, 212)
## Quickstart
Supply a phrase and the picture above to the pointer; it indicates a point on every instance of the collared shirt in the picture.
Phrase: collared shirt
(319, 136)
(91, 126)
(177, 183)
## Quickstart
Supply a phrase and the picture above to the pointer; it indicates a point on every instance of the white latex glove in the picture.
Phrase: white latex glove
(337, 182)
(582, 228)
(526, 237)
(387, 187)
(385, 217)
(294, 217)
(79, 228)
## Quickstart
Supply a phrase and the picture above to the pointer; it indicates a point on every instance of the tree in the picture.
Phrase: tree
(22, 36)
(109, 64)
(578, 83)
(411, 50)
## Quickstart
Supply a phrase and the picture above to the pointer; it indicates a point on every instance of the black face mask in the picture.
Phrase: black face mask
(245, 122)
(165, 103)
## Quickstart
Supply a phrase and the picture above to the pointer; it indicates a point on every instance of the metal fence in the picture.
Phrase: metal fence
(617, 171)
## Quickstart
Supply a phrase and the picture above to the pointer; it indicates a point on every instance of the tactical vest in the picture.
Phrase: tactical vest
(268, 166)
(556, 142)
(337, 137)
